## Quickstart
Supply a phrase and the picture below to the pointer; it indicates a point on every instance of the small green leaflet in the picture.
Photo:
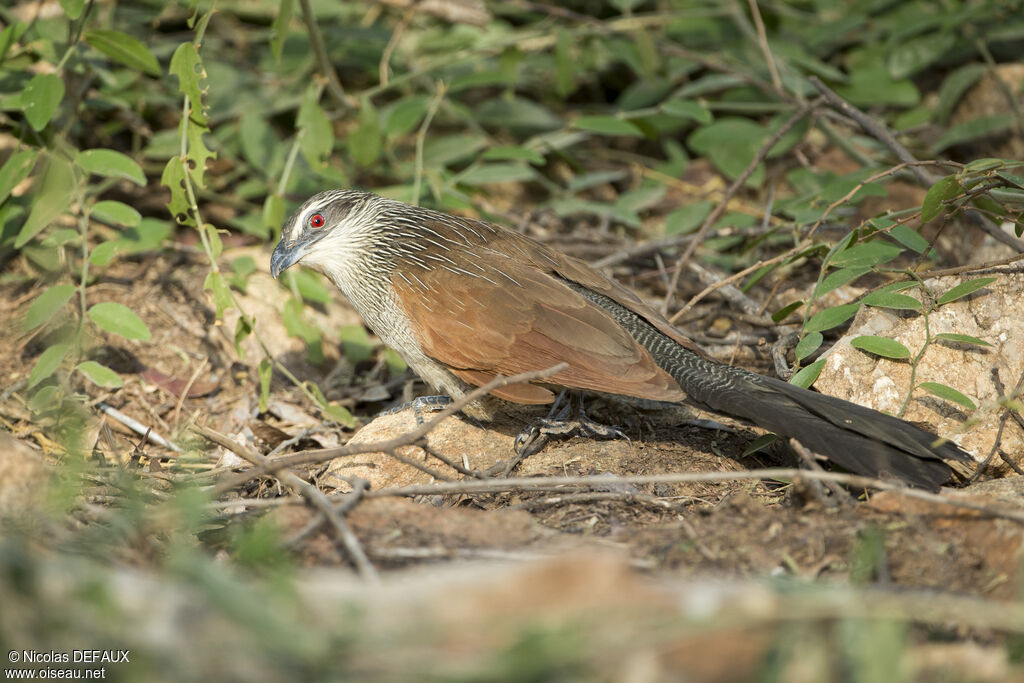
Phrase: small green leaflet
(47, 363)
(111, 164)
(961, 338)
(948, 393)
(125, 49)
(900, 302)
(881, 346)
(47, 304)
(808, 345)
(265, 372)
(119, 319)
(805, 377)
(965, 288)
(830, 317)
(100, 375)
(943, 190)
(40, 99)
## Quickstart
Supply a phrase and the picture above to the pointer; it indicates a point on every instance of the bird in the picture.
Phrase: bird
(465, 300)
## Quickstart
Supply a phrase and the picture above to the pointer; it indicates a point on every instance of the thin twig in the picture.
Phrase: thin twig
(388, 446)
(717, 212)
(875, 128)
(323, 62)
(137, 427)
(762, 41)
(311, 493)
(605, 481)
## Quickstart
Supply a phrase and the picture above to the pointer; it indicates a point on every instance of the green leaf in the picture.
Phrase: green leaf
(16, 169)
(40, 99)
(125, 49)
(51, 200)
(119, 319)
(688, 109)
(116, 213)
(339, 414)
(280, 27)
(508, 153)
(243, 328)
(315, 128)
(982, 165)
(871, 85)
(953, 88)
(273, 212)
(866, 255)
(396, 364)
(900, 302)
(221, 294)
(258, 140)
(496, 173)
(881, 346)
(943, 190)
(174, 179)
(47, 304)
(911, 56)
(730, 143)
(805, 377)
(607, 125)
(810, 343)
(965, 288)
(46, 400)
(759, 443)
(311, 287)
(188, 67)
(100, 375)
(981, 127)
(830, 317)
(47, 363)
(103, 253)
(356, 343)
(961, 338)
(405, 115)
(198, 153)
(787, 310)
(72, 8)
(948, 393)
(111, 164)
(687, 218)
(565, 65)
(364, 141)
(838, 278)
(265, 371)
(909, 238)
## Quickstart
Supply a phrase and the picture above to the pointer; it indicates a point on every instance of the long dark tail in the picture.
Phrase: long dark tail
(858, 439)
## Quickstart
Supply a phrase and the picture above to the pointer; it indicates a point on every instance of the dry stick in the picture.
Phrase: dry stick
(311, 493)
(605, 481)
(184, 392)
(412, 436)
(323, 62)
(1002, 425)
(762, 41)
(839, 493)
(717, 212)
(875, 128)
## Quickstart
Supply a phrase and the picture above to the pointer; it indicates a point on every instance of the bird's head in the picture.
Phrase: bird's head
(325, 230)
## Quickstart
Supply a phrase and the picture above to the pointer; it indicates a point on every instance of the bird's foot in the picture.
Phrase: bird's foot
(421, 405)
(559, 423)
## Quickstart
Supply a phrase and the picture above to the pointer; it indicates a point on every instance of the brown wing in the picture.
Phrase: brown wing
(508, 316)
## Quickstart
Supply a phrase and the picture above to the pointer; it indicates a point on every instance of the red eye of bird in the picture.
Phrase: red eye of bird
(317, 220)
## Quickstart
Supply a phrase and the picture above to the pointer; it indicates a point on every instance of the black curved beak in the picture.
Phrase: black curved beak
(286, 254)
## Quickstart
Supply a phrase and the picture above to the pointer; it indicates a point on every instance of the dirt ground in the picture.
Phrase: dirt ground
(730, 529)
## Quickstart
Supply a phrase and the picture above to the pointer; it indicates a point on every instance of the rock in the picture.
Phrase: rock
(992, 314)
